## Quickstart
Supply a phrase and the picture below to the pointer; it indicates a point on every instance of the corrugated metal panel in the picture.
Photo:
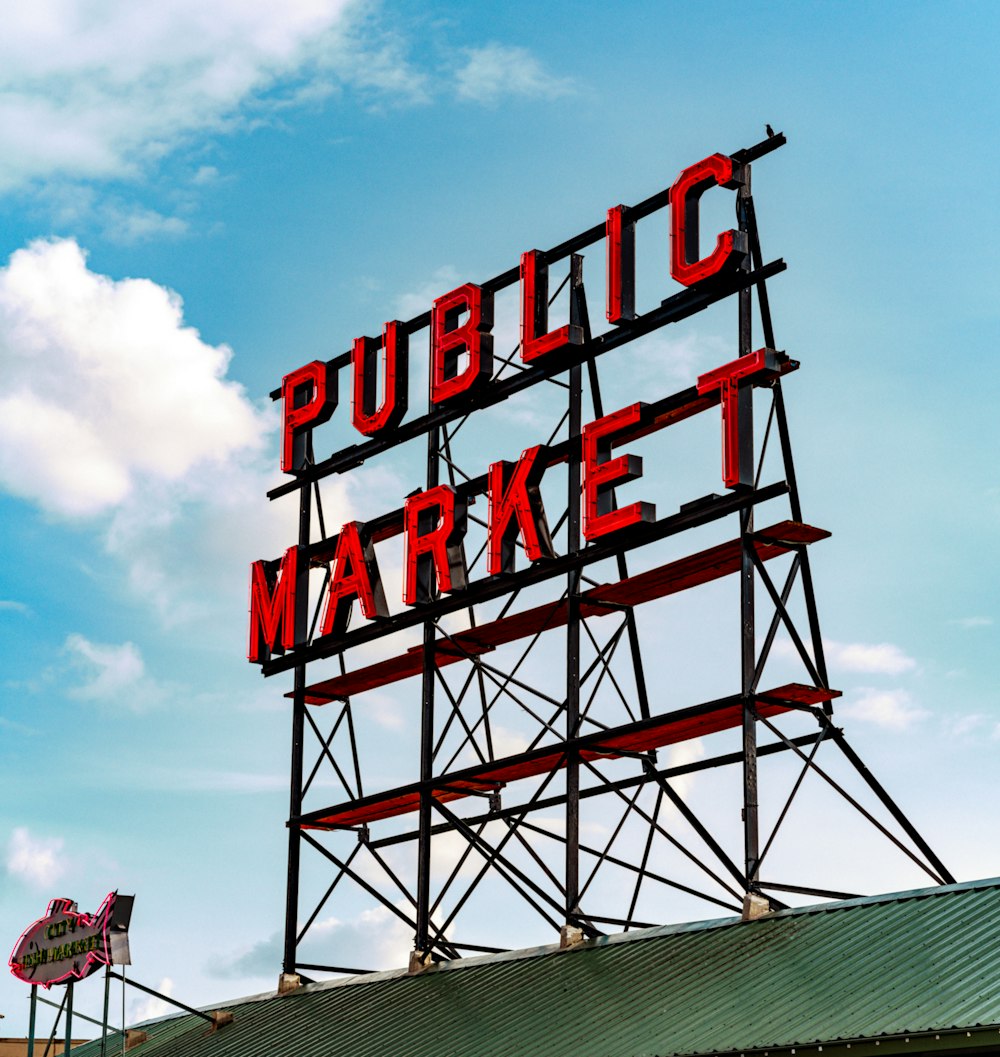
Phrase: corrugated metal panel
(914, 962)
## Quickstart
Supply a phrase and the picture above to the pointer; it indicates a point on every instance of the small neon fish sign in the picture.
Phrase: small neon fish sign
(66, 945)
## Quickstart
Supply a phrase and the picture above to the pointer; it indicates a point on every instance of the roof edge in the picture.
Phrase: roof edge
(635, 936)
(914, 1042)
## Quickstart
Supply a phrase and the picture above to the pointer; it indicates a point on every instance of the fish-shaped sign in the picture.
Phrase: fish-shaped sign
(66, 945)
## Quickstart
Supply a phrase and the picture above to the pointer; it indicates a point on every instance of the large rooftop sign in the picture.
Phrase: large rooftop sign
(525, 581)
(462, 378)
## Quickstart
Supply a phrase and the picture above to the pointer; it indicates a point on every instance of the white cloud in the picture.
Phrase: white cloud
(973, 622)
(889, 709)
(881, 658)
(664, 358)
(205, 174)
(36, 860)
(111, 673)
(97, 91)
(680, 755)
(148, 1008)
(386, 711)
(13, 607)
(128, 225)
(375, 939)
(495, 71)
(104, 383)
(114, 409)
(216, 781)
(969, 724)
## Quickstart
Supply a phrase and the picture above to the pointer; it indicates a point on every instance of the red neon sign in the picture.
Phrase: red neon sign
(516, 508)
(461, 322)
(536, 339)
(64, 945)
(619, 243)
(277, 606)
(368, 416)
(601, 474)
(354, 575)
(451, 340)
(434, 524)
(737, 460)
(307, 400)
(685, 265)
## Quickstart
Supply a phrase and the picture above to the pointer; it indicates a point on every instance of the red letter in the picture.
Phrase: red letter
(278, 600)
(368, 418)
(619, 245)
(601, 474)
(449, 341)
(737, 412)
(516, 507)
(307, 399)
(685, 266)
(434, 525)
(355, 575)
(535, 342)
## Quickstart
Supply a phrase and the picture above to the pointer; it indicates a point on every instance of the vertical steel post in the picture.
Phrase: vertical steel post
(107, 1003)
(748, 653)
(573, 605)
(422, 941)
(298, 736)
(31, 1020)
(67, 1041)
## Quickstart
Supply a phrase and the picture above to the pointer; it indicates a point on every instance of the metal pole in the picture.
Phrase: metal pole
(422, 939)
(107, 1002)
(751, 832)
(298, 735)
(67, 1042)
(31, 1020)
(574, 429)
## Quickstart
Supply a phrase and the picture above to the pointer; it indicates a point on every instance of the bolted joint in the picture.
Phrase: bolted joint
(288, 982)
(755, 906)
(570, 936)
(220, 1018)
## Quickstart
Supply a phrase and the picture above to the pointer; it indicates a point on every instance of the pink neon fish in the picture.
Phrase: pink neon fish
(66, 945)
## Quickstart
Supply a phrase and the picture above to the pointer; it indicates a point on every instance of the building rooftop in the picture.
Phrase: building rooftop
(912, 972)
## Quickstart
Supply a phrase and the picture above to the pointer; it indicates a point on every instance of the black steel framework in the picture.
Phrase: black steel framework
(596, 725)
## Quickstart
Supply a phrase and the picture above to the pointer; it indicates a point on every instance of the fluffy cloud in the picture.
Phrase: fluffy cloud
(881, 658)
(143, 1009)
(115, 411)
(96, 90)
(889, 709)
(111, 674)
(496, 71)
(103, 383)
(375, 939)
(36, 860)
(680, 755)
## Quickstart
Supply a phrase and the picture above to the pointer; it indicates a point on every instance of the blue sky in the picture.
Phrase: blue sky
(196, 202)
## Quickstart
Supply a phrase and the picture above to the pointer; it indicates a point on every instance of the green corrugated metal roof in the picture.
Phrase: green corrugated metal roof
(864, 969)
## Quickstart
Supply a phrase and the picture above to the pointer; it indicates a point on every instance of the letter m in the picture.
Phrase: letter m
(278, 600)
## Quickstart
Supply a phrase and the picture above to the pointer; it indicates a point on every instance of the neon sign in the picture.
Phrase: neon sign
(461, 379)
(66, 945)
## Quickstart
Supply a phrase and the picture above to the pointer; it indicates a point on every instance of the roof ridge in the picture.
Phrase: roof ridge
(635, 936)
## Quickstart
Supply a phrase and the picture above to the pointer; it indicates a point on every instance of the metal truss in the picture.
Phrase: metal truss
(562, 656)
